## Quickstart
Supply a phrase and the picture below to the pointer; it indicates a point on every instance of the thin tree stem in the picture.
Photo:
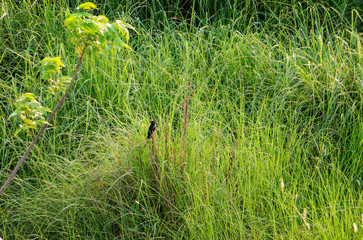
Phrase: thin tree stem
(16, 169)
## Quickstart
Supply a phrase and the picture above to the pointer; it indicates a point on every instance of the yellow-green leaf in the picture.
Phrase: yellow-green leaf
(130, 27)
(126, 46)
(104, 18)
(58, 61)
(67, 13)
(87, 5)
(70, 22)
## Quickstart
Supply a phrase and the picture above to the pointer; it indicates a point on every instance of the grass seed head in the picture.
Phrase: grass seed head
(355, 228)
(282, 185)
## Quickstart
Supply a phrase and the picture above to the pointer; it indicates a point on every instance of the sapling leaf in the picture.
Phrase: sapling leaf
(102, 39)
(71, 21)
(120, 26)
(121, 44)
(96, 32)
(126, 46)
(79, 49)
(127, 35)
(103, 19)
(67, 13)
(127, 25)
(82, 14)
(86, 28)
(46, 109)
(51, 65)
(87, 5)
(27, 96)
(65, 79)
(30, 111)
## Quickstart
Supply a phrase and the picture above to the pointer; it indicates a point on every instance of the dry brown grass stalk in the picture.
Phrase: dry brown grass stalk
(231, 164)
(186, 107)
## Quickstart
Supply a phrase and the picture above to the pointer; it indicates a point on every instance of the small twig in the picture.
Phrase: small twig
(16, 169)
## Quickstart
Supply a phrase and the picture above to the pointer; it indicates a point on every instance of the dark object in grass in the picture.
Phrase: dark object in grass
(151, 129)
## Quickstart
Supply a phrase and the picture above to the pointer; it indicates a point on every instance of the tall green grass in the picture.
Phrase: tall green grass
(278, 92)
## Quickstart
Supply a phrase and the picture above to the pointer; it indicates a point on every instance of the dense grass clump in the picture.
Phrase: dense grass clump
(274, 134)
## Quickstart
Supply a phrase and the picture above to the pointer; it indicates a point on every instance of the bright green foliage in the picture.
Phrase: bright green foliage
(87, 5)
(52, 65)
(60, 84)
(30, 112)
(87, 31)
(96, 32)
(51, 71)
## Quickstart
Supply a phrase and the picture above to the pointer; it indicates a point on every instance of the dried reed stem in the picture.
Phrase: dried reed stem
(186, 106)
(232, 159)
(156, 171)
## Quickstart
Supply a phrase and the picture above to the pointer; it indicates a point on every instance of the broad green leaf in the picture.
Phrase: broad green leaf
(46, 109)
(65, 79)
(27, 96)
(56, 61)
(82, 14)
(102, 19)
(87, 5)
(88, 26)
(129, 26)
(121, 23)
(67, 13)
(70, 22)
(95, 33)
(102, 39)
(108, 46)
(127, 35)
(29, 122)
(126, 46)
(79, 49)
(46, 59)
(122, 44)
(120, 26)
(45, 122)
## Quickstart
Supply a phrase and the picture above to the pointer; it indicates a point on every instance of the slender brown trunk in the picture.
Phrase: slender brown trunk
(32, 144)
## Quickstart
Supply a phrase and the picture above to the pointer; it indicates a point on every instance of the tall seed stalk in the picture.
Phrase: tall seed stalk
(186, 107)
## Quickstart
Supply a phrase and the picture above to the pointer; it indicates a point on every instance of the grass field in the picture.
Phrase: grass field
(270, 147)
